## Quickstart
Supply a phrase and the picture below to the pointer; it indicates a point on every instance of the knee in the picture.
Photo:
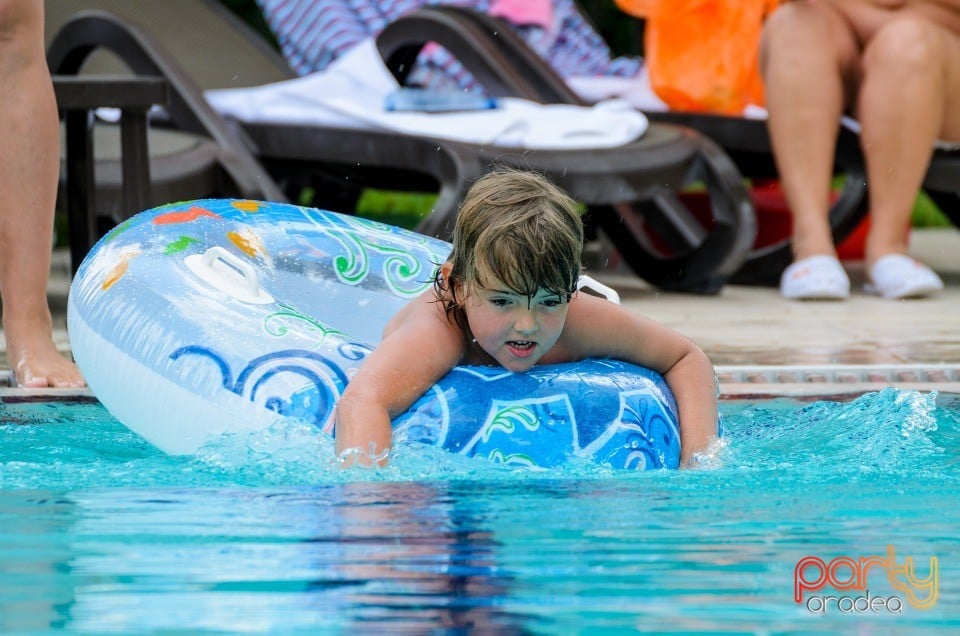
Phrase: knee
(21, 26)
(796, 29)
(784, 24)
(905, 46)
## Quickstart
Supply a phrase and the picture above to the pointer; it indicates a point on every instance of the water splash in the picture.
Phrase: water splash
(892, 432)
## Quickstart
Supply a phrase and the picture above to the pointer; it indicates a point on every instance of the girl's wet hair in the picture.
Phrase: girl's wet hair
(518, 227)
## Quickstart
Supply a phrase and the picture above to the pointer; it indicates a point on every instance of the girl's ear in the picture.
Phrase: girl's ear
(454, 286)
(445, 270)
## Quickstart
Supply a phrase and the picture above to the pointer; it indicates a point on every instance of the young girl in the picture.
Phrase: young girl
(508, 296)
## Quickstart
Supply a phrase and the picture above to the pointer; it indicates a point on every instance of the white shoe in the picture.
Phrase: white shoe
(818, 277)
(896, 276)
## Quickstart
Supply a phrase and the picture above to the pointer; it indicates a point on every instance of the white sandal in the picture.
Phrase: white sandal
(819, 277)
(896, 276)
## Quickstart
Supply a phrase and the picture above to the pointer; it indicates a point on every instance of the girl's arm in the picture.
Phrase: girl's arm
(410, 359)
(598, 328)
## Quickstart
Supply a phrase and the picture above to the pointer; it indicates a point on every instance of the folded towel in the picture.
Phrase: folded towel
(351, 92)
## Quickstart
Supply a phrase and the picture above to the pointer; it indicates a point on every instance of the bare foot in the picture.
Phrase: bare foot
(37, 363)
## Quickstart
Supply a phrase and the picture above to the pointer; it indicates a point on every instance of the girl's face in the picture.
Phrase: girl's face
(514, 329)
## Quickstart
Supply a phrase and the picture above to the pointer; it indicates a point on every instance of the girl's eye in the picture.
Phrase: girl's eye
(500, 302)
(552, 303)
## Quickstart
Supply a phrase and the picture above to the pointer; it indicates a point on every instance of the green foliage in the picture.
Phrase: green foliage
(623, 33)
(927, 214)
(404, 209)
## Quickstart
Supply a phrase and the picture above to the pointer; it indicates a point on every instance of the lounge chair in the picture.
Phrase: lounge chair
(744, 140)
(683, 254)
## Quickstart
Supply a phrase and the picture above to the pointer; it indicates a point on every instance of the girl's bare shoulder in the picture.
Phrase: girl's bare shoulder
(584, 306)
(591, 322)
(423, 312)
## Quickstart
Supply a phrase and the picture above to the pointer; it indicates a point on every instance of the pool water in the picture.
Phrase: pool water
(100, 533)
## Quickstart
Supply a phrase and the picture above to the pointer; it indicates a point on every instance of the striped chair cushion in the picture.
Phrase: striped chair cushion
(313, 33)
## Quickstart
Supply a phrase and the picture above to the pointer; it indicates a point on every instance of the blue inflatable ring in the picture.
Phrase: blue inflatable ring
(208, 317)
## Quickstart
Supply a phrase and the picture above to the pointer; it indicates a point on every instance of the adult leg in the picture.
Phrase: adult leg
(809, 61)
(910, 96)
(29, 169)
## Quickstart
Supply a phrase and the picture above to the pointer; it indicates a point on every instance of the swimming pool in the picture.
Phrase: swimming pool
(100, 533)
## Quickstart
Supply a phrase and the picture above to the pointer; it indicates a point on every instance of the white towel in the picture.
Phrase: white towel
(350, 93)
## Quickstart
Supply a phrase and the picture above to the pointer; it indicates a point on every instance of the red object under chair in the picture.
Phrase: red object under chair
(774, 222)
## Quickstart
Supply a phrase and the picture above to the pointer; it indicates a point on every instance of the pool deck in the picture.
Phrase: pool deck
(762, 344)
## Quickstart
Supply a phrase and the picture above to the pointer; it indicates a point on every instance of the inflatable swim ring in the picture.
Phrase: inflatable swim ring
(208, 317)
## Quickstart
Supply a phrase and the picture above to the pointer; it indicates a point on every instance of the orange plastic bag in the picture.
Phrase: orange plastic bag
(702, 54)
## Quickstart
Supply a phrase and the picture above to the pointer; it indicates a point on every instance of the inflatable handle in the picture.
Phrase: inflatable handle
(239, 279)
(585, 282)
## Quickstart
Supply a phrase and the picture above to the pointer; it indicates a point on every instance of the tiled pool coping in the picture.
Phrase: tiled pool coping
(738, 381)
(798, 380)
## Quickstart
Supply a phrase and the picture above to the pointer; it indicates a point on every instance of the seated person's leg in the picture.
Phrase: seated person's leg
(809, 61)
(910, 97)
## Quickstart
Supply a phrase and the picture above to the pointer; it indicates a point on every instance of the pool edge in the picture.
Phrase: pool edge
(736, 381)
(807, 380)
